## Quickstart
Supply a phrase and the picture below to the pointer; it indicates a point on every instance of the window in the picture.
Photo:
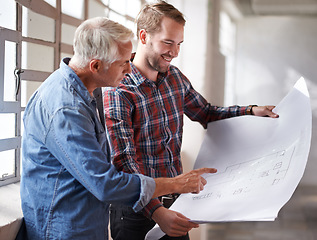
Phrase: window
(10, 108)
(227, 38)
(34, 36)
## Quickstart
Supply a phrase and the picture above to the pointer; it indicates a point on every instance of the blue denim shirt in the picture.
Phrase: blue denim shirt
(68, 180)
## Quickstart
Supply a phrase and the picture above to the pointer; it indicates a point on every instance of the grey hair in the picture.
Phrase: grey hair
(98, 38)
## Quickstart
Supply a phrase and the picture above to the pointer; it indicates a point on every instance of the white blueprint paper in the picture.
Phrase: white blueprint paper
(260, 162)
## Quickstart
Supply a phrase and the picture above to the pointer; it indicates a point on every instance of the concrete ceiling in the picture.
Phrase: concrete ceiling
(278, 7)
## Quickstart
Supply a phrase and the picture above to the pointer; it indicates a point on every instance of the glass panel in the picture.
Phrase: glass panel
(131, 25)
(63, 55)
(9, 67)
(118, 5)
(38, 26)
(8, 15)
(22, 125)
(68, 33)
(96, 9)
(74, 8)
(133, 6)
(37, 57)
(7, 162)
(27, 89)
(7, 125)
(51, 2)
(106, 2)
(116, 17)
(226, 34)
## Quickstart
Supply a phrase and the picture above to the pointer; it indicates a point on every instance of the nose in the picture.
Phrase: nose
(174, 50)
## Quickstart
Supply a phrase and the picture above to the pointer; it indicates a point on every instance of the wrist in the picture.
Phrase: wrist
(164, 186)
(250, 109)
(157, 213)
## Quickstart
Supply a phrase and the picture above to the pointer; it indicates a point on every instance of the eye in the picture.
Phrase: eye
(167, 43)
(124, 63)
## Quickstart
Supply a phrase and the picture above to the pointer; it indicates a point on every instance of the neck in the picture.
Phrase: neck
(143, 66)
(84, 75)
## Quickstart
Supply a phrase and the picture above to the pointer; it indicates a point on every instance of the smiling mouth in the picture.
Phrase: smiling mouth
(167, 59)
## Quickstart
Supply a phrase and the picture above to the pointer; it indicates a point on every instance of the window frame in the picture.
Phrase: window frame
(13, 143)
(15, 35)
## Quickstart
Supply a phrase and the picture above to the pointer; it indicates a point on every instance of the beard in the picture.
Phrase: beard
(156, 61)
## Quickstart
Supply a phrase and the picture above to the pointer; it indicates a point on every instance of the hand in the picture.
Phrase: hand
(184, 183)
(174, 224)
(193, 181)
(264, 111)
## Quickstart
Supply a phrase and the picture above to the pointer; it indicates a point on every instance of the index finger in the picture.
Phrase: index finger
(269, 112)
(205, 170)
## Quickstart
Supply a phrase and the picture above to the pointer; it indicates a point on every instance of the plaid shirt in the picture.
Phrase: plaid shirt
(145, 122)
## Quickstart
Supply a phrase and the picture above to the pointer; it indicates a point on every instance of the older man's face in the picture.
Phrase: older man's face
(113, 74)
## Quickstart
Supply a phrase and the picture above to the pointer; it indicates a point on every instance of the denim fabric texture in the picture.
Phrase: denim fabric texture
(68, 180)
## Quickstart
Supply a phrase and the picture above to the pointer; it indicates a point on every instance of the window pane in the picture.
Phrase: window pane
(63, 55)
(27, 89)
(74, 8)
(37, 57)
(7, 163)
(51, 2)
(131, 25)
(96, 9)
(8, 15)
(68, 33)
(38, 26)
(9, 67)
(226, 34)
(7, 125)
(116, 17)
(133, 6)
(22, 125)
(106, 2)
(118, 5)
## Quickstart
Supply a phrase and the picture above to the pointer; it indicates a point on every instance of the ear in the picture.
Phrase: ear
(143, 36)
(95, 65)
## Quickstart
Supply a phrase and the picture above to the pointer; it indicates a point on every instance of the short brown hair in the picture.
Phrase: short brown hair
(151, 15)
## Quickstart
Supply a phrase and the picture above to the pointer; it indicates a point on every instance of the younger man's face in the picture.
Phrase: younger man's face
(163, 46)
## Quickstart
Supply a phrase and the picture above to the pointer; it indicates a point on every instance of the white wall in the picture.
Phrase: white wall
(272, 53)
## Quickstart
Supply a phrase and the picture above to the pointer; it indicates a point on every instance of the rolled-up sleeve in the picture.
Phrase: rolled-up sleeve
(147, 189)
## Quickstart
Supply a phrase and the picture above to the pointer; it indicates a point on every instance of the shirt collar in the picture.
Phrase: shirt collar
(74, 80)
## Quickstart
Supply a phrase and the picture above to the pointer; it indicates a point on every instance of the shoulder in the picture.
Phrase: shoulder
(117, 97)
(61, 93)
(177, 78)
(177, 73)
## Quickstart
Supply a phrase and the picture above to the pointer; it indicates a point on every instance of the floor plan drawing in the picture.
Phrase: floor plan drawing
(248, 176)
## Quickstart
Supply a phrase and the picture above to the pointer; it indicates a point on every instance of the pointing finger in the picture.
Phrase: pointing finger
(205, 170)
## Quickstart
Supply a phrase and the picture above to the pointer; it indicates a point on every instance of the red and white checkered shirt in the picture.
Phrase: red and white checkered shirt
(145, 122)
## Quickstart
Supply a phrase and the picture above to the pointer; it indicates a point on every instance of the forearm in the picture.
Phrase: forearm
(164, 186)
